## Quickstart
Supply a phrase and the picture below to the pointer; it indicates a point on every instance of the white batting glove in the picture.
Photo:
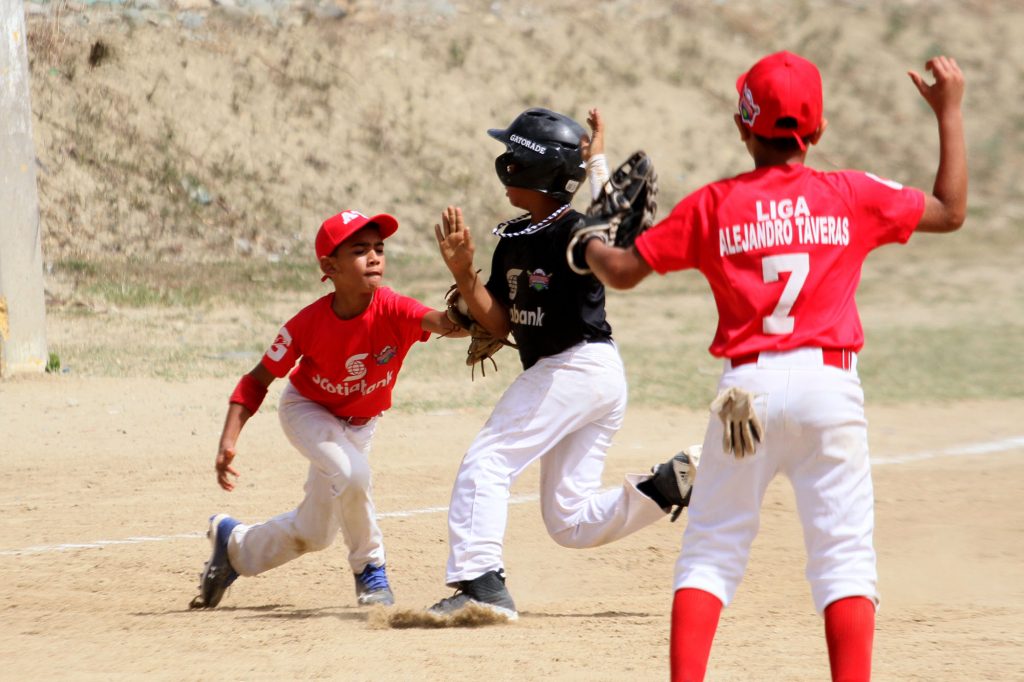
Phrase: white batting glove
(742, 431)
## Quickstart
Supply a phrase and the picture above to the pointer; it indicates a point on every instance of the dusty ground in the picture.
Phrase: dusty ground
(108, 484)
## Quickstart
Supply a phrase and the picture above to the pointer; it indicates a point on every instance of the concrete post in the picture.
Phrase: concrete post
(22, 302)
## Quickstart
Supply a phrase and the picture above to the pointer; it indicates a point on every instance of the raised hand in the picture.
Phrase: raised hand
(593, 145)
(947, 91)
(455, 242)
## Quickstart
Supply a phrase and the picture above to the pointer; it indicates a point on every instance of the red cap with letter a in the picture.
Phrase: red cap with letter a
(338, 228)
(780, 96)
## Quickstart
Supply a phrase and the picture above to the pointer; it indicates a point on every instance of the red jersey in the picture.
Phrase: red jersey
(782, 248)
(348, 366)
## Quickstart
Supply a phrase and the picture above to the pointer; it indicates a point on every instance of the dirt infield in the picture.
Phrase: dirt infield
(109, 482)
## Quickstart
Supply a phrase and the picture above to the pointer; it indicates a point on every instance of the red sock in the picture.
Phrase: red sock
(850, 632)
(694, 621)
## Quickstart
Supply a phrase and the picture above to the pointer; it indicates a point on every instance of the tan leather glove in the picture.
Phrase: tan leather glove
(742, 431)
(482, 344)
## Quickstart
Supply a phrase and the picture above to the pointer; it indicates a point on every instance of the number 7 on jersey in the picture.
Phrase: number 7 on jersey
(797, 265)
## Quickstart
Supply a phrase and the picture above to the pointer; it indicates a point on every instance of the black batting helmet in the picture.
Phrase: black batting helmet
(542, 153)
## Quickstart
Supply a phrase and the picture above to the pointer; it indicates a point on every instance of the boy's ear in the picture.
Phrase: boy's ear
(327, 266)
(820, 131)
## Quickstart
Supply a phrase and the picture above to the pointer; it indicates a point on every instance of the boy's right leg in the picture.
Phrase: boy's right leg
(310, 527)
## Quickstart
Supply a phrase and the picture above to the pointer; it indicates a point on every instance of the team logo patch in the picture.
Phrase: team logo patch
(385, 355)
(539, 280)
(512, 277)
(355, 367)
(748, 109)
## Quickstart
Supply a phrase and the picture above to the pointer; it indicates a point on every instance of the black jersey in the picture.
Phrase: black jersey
(552, 308)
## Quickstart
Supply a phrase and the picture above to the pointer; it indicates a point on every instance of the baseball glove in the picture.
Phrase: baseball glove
(620, 213)
(741, 428)
(482, 344)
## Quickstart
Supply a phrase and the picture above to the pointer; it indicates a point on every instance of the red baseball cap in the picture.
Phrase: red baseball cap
(338, 228)
(778, 87)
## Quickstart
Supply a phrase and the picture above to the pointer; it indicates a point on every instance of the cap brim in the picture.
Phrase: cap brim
(387, 224)
(498, 134)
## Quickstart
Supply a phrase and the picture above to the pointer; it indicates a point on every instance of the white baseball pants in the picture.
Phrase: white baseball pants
(338, 495)
(564, 411)
(815, 433)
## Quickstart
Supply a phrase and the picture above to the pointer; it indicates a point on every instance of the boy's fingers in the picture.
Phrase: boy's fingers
(918, 81)
(940, 67)
(449, 222)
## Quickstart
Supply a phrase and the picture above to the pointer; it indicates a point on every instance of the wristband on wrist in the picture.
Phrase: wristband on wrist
(249, 393)
(597, 173)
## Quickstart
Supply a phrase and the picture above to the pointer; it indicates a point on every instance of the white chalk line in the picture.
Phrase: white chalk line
(972, 450)
(97, 544)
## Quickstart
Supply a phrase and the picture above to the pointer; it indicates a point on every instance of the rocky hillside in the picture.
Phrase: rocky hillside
(193, 131)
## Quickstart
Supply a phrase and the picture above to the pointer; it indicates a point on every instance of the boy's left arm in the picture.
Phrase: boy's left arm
(616, 267)
(592, 148)
(946, 207)
(437, 322)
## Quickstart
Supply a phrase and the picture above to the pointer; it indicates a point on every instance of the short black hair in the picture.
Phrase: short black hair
(784, 143)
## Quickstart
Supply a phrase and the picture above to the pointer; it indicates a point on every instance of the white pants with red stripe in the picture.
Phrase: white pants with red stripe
(815, 434)
(564, 410)
(338, 495)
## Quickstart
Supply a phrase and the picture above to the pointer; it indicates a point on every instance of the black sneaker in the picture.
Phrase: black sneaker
(673, 480)
(218, 573)
(488, 591)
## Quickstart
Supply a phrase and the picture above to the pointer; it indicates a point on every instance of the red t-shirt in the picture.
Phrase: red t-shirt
(348, 366)
(782, 248)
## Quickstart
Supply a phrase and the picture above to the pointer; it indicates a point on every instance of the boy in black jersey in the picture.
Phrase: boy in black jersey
(570, 399)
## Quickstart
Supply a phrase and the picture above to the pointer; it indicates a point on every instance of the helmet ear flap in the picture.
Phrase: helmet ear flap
(506, 168)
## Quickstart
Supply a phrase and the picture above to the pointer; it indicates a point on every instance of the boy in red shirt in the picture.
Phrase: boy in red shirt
(782, 248)
(349, 346)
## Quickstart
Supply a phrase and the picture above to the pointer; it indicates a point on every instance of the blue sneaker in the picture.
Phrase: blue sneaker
(218, 574)
(372, 587)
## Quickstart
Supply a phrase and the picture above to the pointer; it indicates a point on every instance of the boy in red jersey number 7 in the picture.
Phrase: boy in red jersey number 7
(782, 248)
(349, 346)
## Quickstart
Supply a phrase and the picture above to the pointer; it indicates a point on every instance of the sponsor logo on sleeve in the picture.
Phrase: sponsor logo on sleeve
(280, 345)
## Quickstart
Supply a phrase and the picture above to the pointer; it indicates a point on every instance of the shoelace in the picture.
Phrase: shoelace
(448, 600)
(374, 578)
